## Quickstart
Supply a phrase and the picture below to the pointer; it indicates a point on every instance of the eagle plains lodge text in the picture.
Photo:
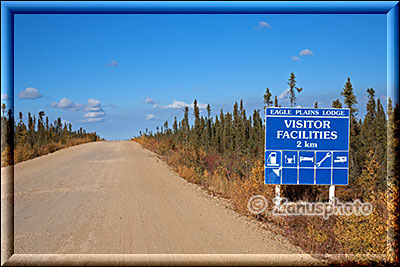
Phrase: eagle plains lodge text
(308, 128)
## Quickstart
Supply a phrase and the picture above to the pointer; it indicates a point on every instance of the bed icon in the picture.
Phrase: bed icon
(303, 158)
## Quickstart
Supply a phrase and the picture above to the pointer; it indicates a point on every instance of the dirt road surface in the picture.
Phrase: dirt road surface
(118, 198)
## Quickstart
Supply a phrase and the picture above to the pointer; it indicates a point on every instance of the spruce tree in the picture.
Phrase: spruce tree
(185, 125)
(31, 130)
(292, 87)
(276, 102)
(267, 98)
(390, 142)
(355, 159)
(235, 127)
(336, 103)
(380, 126)
(175, 126)
(3, 109)
(40, 128)
(368, 130)
(208, 127)
(196, 130)
(350, 99)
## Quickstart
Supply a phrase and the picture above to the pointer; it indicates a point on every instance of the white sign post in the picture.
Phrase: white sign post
(278, 198)
(331, 194)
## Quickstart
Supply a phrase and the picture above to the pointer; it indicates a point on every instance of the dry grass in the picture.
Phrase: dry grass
(25, 152)
(336, 235)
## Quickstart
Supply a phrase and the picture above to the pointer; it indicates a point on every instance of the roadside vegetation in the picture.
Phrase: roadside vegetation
(225, 155)
(38, 138)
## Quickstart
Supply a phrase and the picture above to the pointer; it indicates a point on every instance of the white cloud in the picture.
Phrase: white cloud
(4, 97)
(29, 93)
(149, 100)
(93, 102)
(92, 119)
(113, 63)
(150, 117)
(95, 112)
(93, 105)
(93, 109)
(306, 52)
(176, 104)
(200, 105)
(284, 94)
(67, 104)
(263, 25)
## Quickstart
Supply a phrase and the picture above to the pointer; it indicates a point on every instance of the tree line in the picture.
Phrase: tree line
(238, 139)
(224, 154)
(38, 137)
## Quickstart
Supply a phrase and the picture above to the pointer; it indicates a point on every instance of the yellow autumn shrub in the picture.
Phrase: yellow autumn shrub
(364, 234)
(242, 191)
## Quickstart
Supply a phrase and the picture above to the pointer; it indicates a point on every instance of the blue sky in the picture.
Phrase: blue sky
(96, 71)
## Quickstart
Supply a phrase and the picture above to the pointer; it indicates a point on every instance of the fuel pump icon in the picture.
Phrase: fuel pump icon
(273, 159)
(273, 168)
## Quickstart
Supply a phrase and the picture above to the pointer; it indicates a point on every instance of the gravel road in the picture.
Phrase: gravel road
(114, 197)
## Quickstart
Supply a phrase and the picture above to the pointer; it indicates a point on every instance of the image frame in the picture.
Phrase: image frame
(11, 8)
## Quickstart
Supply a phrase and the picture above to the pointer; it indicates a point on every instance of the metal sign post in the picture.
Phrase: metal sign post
(307, 146)
(278, 198)
(331, 195)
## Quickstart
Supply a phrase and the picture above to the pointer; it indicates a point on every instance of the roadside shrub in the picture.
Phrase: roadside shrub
(364, 234)
(238, 179)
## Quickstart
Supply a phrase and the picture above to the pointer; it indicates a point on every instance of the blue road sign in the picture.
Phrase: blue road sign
(307, 146)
